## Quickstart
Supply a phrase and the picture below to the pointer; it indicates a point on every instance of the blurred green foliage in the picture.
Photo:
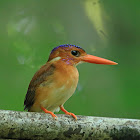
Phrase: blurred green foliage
(30, 29)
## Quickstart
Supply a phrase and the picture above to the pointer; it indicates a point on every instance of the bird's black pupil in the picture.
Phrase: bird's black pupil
(75, 53)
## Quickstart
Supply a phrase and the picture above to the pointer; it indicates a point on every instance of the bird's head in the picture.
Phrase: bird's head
(74, 55)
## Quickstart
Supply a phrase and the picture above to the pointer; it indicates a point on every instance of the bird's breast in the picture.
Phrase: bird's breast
(66, 80)
(63, 85)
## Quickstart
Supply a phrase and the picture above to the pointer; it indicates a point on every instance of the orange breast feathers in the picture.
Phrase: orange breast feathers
(56, 88)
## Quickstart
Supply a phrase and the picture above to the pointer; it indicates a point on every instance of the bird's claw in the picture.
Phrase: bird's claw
(72, 114)
(54, 116)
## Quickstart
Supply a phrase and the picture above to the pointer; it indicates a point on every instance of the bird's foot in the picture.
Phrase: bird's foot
(53, 115)
(46, 111)
(68, 113)
(72, 114)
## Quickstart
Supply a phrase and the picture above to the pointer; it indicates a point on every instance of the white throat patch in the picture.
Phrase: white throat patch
(55, 59)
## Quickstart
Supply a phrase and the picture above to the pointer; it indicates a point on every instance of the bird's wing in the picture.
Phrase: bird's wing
(39, 77)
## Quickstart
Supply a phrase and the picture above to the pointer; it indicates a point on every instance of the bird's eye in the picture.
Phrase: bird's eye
(75, 53)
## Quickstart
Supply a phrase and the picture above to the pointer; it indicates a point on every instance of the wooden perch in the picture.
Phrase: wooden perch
(30, 125)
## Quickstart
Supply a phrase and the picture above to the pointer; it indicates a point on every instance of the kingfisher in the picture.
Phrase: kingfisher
(56, 81)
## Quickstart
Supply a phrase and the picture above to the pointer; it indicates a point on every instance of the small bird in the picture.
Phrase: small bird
(55, 82)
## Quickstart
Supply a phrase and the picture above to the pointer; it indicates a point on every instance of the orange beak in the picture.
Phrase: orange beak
(97, 60)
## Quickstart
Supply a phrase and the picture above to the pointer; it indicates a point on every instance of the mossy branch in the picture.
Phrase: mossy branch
(30, 125)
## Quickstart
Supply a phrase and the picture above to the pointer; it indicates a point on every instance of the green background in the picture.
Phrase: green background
(30, 29)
